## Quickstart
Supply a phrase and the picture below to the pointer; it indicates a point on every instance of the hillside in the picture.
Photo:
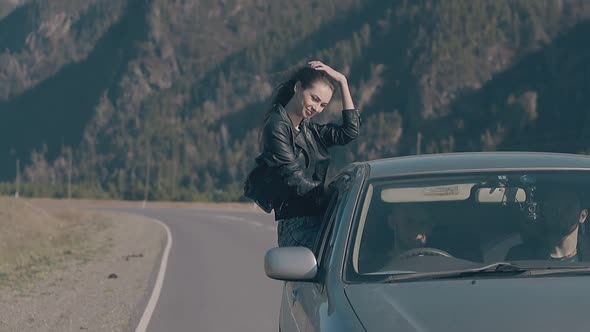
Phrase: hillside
(179, 87)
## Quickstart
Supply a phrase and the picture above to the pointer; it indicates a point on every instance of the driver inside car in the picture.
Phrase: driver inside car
(412, 224)
(558, 235)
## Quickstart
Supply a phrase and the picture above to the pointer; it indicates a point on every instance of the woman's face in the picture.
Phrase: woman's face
(314, 99)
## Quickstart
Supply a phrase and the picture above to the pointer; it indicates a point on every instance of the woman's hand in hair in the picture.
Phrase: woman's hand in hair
(318, 65)
(347, 102)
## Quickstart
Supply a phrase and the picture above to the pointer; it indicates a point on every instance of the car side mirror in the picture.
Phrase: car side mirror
(290, 264)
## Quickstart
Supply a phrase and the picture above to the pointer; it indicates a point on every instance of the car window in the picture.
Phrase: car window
(444, 223)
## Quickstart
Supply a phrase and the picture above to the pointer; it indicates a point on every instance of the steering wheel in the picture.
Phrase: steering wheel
(423, 252)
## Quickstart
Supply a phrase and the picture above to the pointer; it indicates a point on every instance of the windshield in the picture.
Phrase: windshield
(534, 219)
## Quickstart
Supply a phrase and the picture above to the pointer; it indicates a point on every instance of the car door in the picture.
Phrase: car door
(292, 318)
(299, 294)
(311, 296)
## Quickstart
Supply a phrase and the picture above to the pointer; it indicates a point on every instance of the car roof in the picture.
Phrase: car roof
(476, 162)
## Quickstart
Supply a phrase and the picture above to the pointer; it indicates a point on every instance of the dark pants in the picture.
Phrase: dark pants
(298, 232)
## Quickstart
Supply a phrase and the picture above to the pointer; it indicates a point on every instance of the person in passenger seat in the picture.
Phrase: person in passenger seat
(559, 234)
(563, 216)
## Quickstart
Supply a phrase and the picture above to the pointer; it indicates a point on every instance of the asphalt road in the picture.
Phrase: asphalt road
(214, 279)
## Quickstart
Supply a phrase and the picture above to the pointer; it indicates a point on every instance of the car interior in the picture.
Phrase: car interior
(473, 229)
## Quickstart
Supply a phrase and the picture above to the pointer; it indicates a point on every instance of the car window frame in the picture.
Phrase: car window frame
(325, 241)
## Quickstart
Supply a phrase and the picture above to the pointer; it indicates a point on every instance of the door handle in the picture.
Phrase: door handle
(294, 296)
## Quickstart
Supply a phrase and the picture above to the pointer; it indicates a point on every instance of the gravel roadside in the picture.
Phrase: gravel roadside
(106, 290)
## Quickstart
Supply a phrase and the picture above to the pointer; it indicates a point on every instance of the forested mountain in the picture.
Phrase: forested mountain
(177, 89)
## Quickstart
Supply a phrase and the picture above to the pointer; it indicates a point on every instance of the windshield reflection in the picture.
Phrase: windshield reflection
(464, 222)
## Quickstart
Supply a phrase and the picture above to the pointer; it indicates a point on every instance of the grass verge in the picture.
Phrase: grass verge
(35, 241)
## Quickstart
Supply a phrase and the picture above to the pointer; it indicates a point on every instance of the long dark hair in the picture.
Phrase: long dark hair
(307, 76)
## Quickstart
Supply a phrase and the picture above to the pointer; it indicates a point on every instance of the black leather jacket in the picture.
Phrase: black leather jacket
(296, 164)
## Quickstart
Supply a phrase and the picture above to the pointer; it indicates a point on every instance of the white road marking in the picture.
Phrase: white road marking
(227, 218)
(223, 216)
(240, 219)
(149, 310)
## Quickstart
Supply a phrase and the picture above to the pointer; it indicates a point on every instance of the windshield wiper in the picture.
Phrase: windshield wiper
(560, 270)
(500, 267)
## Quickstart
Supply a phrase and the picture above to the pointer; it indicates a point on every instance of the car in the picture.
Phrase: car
(487, 241)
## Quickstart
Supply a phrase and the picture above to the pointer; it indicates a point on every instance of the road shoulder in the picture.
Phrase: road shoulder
(104, 290)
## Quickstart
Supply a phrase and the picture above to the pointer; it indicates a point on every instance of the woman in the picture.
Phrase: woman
(292, 167)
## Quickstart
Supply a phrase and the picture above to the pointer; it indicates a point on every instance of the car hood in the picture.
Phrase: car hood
(507, 304)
